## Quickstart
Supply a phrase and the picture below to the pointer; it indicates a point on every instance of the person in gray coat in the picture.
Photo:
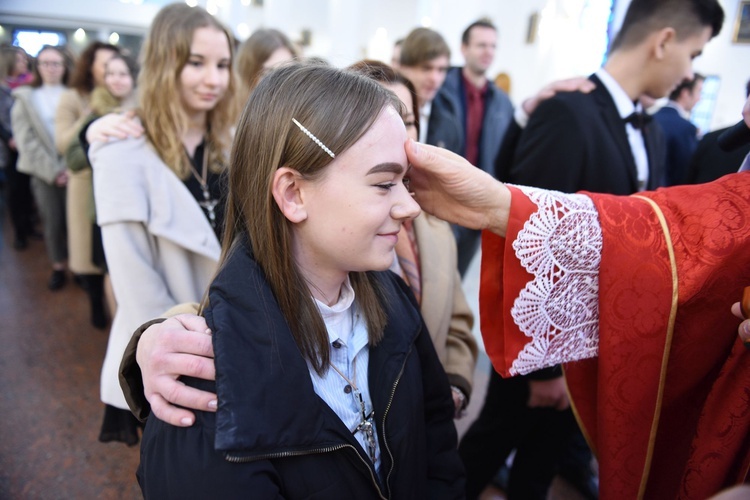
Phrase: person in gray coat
(474, 108)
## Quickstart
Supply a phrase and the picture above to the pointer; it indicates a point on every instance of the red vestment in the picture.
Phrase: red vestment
(665, 402)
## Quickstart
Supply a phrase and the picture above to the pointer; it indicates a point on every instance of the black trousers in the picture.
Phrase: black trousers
(506, 423)
(20, 200)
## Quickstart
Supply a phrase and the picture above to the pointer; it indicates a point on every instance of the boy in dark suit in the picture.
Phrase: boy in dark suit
(680, 133)
(602, 142)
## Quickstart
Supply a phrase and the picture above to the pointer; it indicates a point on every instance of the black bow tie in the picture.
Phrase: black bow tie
(638, 119)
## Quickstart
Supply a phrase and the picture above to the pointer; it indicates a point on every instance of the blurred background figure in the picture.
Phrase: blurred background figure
(709, 161)
(680, 133)
(33, 117)
(74, 109)
(17, 185)
(264, 49)
(481, 111)
(396, 54)
(115, 94)
(20, 72)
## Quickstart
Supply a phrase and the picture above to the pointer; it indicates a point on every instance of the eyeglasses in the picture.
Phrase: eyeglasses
(50, 64)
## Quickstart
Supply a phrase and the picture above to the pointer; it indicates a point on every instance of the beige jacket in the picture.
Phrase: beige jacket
(37, 155)
(444, 308)
(72, 112)
(160, 248)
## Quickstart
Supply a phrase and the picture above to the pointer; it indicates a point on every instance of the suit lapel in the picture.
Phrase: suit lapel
(616, 128)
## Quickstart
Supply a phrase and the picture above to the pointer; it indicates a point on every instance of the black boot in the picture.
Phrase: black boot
(56, 280)
(95, 290)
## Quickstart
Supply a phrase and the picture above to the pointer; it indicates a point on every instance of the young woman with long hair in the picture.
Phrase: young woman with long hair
(328, 382)
(157, 196)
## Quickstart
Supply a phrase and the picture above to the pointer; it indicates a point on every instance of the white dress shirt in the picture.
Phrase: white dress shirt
(350, 353)
(626, 107)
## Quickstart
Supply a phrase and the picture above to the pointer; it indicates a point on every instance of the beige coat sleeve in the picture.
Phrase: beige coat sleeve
(444, 307)
(71, 113)
(460, 346)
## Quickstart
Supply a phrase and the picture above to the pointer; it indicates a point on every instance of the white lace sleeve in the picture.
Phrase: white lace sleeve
(560, 245)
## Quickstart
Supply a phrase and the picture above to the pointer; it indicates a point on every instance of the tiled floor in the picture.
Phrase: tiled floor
(50, 358)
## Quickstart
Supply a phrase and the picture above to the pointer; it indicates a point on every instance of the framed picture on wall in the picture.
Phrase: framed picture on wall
(742, 23)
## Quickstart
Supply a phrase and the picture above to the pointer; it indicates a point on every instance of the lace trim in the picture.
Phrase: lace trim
(561, 246)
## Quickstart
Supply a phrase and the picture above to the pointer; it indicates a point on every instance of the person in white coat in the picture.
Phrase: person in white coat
(158, 196)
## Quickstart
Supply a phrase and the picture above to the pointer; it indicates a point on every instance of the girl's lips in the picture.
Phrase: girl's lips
(391, 236)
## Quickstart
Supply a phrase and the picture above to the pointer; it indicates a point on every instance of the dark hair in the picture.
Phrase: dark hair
(686, 85)
(747, 89)
(687, 17)
(131, 63)
(481, 23)
(382, 73)
(339, 107)
(83, 76)
(67, 63)
(423, 45)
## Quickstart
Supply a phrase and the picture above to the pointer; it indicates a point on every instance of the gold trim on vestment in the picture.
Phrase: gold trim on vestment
(581, 426)
(667, 344)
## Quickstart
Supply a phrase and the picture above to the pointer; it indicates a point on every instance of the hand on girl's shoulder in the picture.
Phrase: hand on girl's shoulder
(114, 126)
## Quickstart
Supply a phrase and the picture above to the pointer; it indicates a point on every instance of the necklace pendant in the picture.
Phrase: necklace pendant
(370, 435)
(209, 205)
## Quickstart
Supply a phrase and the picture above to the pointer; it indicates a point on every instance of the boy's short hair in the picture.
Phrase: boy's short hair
(687, 17)
(686, 85)
(422, 45)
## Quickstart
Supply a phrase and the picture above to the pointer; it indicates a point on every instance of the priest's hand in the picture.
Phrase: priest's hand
(181, 345)
(550, 393)
(452, 189)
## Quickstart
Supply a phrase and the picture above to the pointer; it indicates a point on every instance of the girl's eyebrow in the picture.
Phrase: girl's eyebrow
(393, 168)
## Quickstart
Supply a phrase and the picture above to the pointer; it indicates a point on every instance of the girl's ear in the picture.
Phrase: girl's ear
(286, 190)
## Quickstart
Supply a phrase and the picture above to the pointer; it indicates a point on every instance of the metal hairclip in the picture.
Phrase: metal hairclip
(314, 139)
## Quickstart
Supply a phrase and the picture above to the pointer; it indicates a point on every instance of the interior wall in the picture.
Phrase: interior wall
(343, 31)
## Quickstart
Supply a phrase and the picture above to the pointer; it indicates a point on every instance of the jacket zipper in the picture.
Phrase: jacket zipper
(285, 454)
(385, 414)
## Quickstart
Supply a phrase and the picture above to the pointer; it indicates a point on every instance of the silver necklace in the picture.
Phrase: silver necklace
(366, 423)
(208, 204)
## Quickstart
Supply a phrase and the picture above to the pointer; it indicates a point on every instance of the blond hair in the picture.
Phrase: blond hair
(165, 53)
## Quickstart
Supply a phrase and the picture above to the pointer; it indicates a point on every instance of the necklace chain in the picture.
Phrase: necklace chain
(208, 204)
(366, 420)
